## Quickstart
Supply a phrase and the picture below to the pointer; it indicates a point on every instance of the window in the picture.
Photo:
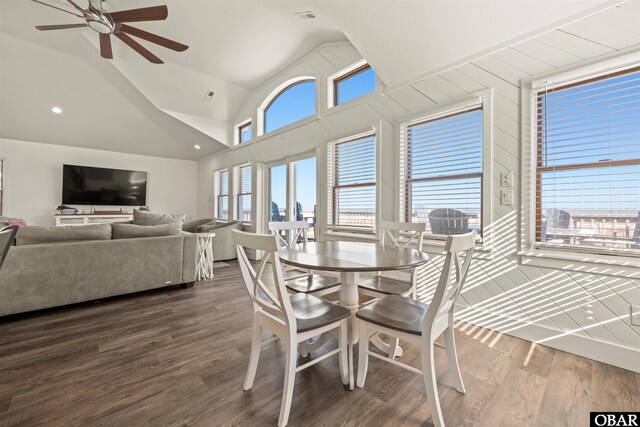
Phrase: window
(354, 84)
(244, 132)
(294, 103)
(223, 195)
(443, 170)
(587, 174)
(243, 210)
(352, 176)
(1, 186)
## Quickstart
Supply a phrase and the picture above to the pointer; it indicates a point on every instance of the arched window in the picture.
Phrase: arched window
(293, 103)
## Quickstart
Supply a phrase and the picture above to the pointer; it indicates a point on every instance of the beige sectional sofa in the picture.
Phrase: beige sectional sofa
(46, 270)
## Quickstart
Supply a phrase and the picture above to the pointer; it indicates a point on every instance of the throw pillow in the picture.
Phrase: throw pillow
(133, 231)
(206, 228)
(153, 218)
(206, 224)
(33, 235)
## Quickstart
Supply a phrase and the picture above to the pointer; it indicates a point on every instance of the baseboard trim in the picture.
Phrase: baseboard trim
(612, 354)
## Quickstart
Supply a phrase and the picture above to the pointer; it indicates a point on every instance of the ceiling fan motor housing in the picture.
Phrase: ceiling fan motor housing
(101, 23)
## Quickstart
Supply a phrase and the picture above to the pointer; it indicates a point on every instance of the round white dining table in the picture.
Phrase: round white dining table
(350, 259)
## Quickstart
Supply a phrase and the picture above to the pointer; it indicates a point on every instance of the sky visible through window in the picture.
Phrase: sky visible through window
(597, 122)
(356, 86)
(292, 105)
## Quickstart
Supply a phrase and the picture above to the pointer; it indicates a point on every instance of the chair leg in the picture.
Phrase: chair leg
(289, 381)
(429, 374)
(256, 346)
(344, 353)
(303, 348)
(363, 356)
(452, 356)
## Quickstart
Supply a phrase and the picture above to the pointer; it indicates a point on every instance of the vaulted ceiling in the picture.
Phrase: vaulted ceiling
(130, 105)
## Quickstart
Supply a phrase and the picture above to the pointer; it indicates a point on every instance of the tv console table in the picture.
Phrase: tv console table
(86, 219)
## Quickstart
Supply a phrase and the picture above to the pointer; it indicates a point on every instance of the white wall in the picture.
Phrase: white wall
(33, 178)
(562, 307)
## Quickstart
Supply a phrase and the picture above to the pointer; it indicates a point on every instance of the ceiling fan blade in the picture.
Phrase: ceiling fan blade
(105, 46)
(81, 10)
(153, 38)
(58, 8)
(138, 48)
(154, 13)
(59, 27)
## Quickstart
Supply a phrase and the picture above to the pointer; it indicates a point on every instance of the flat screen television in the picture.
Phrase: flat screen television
(85, 185)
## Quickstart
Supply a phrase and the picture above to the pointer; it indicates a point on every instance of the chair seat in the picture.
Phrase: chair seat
(312, 283)
(313, 312)
(396, 312)
(385, 285)
(294, 274)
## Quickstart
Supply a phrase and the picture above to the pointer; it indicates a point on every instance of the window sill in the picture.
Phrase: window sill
(243, 144)
(352, 103)
(436, 247)
(610, 265)
(287, 128)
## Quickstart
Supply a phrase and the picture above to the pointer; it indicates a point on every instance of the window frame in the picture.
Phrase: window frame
(238, 132)
(483, 101)
(332, 163)
(274, 95)
(239, 192)
(346, 76)
(571, 258)
(220, 194)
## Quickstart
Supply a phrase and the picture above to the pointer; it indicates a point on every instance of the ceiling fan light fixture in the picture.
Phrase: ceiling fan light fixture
(99, 26)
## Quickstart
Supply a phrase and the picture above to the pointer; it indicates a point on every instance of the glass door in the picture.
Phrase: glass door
(292, 191)
(304, 174)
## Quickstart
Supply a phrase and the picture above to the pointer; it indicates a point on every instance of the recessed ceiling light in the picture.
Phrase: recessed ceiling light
(56, 110)
(197, 147)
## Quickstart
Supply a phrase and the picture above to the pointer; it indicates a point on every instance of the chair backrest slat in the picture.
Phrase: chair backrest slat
(459, 250)
(410, 231)
(264, 299)
(294, 230)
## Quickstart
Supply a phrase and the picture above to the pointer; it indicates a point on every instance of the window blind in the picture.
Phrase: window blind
(443, 172)
(243, 212)
(223, 194)
(352, 176)
(588, 164)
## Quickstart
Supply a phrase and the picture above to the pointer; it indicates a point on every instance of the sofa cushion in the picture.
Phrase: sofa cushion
(191, 226)
(32, 235)
(213, 227)
(133, 231)
(154, 218)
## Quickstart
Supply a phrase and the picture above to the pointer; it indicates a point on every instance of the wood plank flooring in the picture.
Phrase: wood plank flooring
(177, 357)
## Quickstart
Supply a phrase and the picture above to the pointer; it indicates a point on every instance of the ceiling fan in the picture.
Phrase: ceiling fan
(106, 24)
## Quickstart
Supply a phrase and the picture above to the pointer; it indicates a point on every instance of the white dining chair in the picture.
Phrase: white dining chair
(381, 285)
(421, 323)
(293, 318)
(298, 280)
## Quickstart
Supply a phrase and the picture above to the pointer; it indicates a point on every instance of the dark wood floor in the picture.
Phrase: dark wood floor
(178, 357)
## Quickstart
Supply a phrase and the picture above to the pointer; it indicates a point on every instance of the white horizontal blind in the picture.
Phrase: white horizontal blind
(588, 164)
(223, 194)
(443, 172)
(352, 176)
(243, 211)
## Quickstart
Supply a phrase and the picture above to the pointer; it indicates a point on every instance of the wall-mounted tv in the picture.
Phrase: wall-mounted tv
(85, 185)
